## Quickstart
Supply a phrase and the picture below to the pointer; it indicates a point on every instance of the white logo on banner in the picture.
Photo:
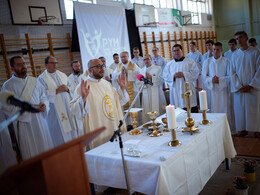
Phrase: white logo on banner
(93, 43)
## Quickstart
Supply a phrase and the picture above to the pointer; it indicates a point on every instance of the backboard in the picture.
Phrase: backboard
(35, 12)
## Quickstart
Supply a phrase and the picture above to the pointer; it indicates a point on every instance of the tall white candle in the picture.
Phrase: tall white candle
(203, 100)
(171, 119)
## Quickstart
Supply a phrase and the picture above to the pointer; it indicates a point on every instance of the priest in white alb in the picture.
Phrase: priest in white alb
(131, 70)
(74, 78)
(153, 98)
(245, 85)
(216, 77)
(177, 73)
(100, 103)
(31, 129)
(55, 84)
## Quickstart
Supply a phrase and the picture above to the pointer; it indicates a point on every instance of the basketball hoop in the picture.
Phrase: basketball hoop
(42, 20)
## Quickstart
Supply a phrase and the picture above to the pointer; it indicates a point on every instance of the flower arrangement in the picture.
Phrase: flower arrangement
(240, 182)
(249, 166)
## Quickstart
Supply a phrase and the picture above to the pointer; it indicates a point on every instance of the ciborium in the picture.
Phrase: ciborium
(155, 133)
(135, 131)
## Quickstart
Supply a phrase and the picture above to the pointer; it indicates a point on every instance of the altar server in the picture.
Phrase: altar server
(209, 53)
(245, 84)
(153, 98)
(31, 129)
(233, 48)
(177, 72)
(216, 79)
(61, 121)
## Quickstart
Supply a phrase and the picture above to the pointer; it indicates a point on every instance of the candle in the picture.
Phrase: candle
(171, 119)
(203, 100)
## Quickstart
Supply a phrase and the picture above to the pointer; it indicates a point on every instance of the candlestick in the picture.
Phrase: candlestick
(174, 141)
(205, 121)
(203, 100)
(171, 119)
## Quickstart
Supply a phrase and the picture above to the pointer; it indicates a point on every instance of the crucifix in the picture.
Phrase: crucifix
(189, 122)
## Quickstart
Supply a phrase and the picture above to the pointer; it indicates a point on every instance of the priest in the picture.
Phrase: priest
(131, 70)
(31, 129)
(245, 85)
(61, 121)
(177, 73)
(153, 98)
(99, 103)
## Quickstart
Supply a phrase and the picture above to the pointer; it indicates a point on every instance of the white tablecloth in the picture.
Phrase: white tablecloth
(162, 169)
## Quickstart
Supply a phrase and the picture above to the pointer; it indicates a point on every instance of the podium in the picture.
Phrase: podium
(62, 170)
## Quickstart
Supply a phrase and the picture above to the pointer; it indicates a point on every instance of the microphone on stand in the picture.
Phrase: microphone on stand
(8, 98)
(142, 78)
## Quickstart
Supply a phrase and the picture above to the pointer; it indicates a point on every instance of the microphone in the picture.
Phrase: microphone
(8, 98)
(141, 78)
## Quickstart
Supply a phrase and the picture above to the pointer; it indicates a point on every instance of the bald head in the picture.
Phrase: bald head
(96, 69)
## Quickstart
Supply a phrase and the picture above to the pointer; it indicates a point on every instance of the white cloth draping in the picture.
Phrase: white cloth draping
(185, 170)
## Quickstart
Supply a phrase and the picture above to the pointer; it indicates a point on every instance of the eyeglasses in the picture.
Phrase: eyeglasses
(98, 66)
(154, 50)
(53, 63)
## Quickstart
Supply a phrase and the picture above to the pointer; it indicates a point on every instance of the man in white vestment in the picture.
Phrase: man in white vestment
(197, 57)
(99, 103)
(153, 98)
(245, 85)
(157, 59)
(31, 129)
(252, 42)
(131, 70)
(116, 62)
(217, 80)
(233, 48)
(107, 71)
(209, 53)
(7, 156)
(138, 60)
(177, 72)
(60, 120)
(74, 78)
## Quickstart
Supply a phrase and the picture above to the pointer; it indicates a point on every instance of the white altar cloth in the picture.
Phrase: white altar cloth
(185, 170)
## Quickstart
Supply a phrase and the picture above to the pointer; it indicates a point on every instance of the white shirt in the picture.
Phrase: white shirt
(160, 61)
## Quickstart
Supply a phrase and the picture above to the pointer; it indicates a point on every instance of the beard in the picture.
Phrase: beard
(76, 71)
(98, 76)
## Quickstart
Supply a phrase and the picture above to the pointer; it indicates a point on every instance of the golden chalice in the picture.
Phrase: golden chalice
(155, 133)
(135, 131)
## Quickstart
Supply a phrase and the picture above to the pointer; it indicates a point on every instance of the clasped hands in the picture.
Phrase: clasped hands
(178, 75)
(62, 88)
(246, 89)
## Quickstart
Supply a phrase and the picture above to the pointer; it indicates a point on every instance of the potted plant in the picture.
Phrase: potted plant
(249, 170)
(241, 186)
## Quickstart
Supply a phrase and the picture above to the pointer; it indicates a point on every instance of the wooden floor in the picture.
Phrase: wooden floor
(247, 146)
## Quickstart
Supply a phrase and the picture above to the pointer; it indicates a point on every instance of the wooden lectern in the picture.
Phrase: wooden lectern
(62, 170)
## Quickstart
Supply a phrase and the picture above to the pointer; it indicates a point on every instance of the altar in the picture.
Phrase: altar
(162, 169)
